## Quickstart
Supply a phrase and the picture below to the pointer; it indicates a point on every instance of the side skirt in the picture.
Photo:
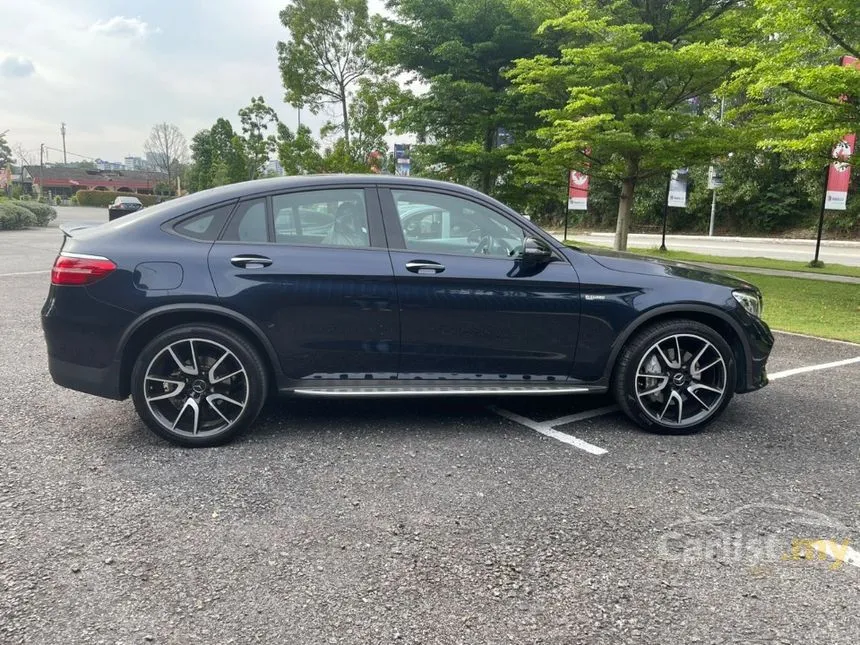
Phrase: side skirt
(434, 388)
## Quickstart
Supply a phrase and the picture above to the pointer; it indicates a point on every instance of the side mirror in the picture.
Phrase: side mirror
(535, 251)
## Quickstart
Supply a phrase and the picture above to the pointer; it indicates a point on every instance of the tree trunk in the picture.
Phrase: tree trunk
(625, 205)
(345, 120)
(486, 173)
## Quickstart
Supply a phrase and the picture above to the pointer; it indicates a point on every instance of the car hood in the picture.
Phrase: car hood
(629, 263)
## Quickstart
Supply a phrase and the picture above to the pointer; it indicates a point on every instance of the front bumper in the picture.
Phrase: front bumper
(759, 343)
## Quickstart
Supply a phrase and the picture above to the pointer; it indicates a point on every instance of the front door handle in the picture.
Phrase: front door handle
(424, 266)
(250, 261)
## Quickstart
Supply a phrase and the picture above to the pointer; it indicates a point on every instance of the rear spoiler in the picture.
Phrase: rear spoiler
(70, 229)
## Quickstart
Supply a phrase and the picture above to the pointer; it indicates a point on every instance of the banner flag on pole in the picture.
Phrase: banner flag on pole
(839, 173)
(577, 191)
(678, 188)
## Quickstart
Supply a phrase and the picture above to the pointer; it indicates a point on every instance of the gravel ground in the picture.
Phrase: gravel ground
(421, 521)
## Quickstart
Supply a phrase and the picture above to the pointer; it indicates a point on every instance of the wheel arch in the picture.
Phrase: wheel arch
(161, 319)
(714, 318)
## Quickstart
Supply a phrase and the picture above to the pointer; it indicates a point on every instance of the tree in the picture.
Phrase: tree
(256, 119)
(625, 90)
(798, 92)
(461, 49)
(6, 157)
(215, 159)
(298, 152)
(167, 149)
(327, 53)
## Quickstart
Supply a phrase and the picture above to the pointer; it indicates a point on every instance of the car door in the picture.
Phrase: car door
(470, 308)
(310, 268)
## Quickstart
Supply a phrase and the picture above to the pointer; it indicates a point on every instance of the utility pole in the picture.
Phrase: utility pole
(41, 170)
(714, 194)
(63, 132)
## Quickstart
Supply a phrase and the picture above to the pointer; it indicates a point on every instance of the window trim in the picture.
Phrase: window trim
(170, 225)
(397, 240)
(373, 208)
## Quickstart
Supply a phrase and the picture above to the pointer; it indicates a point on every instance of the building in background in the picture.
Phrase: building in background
(65, 182)
(101, 164)
(136, 163)
(273, 168)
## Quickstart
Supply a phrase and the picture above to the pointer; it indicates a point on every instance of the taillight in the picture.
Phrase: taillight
(78, 269)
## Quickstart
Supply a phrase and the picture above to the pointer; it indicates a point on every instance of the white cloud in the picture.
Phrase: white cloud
(122, 26)
(16, 67)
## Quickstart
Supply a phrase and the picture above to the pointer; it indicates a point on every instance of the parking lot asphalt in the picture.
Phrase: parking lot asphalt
(420, 521)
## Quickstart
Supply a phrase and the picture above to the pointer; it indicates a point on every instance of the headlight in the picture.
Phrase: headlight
(749, 301)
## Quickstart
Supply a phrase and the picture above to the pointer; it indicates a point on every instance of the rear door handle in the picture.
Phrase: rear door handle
(424, 266)
(250, 261)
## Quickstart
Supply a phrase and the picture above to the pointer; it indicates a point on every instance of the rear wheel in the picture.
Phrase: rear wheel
(675, 377)
(198, 385)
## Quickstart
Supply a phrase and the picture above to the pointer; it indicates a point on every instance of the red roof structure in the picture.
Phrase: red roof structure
(69, 180)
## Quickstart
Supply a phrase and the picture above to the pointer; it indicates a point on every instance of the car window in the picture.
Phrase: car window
(321, 217)
(248, 223)
(205, 226)
(446, 224)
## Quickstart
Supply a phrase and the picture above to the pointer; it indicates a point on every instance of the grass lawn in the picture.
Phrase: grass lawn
(828, 309)
(764, 263)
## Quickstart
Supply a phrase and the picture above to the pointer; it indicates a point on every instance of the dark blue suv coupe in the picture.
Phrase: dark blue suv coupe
(201, 307)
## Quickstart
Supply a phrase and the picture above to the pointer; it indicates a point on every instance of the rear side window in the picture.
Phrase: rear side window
(205, 226)
(334, 217)
(248, 223)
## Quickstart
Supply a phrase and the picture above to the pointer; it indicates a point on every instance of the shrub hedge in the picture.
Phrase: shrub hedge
(14, 216)
(103, 198)
(42, 212)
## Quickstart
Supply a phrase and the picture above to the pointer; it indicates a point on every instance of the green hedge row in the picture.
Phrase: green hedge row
(103, 198)
(16, 215)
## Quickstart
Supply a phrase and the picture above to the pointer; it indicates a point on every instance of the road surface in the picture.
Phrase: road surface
(833, 252)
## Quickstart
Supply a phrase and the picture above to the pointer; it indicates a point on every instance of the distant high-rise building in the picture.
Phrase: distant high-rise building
(101, 164)
(135, 163)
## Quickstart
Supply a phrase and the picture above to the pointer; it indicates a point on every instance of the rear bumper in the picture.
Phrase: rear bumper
(100, 381)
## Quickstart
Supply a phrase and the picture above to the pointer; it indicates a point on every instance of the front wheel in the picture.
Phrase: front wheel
(198, 385)
(675, 377)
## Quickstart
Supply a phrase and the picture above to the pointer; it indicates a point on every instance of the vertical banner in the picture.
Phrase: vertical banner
(577, 191)
(839, 175)
(402, 162)
(677, 197)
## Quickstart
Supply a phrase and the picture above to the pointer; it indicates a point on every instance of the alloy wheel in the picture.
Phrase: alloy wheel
(196, 387)
(681, 380)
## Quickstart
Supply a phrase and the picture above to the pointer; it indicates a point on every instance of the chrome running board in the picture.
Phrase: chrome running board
(436, 390)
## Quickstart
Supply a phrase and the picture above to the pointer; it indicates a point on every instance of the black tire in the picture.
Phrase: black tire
(640, 351)
(239, 378)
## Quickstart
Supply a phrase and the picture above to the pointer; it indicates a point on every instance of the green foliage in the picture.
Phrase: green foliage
(13, 216)
(298, 152)
(461, 49)
(103, 198)
(6, 157)
(326, 53)
(216, 159)
(626, 87)
(42, 213)
(794, 94)
(256, 119)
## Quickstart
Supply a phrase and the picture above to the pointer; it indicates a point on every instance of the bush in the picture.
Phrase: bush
(74, 200)
(25, 198)
(42, 213)
(103, 198)
(13, 216)
(58, 200)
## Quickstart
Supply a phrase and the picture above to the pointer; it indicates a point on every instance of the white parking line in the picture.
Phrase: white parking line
(547, 430)
(582, 416)
(812, 368)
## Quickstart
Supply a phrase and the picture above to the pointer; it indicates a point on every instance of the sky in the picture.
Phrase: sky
(110, 69)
